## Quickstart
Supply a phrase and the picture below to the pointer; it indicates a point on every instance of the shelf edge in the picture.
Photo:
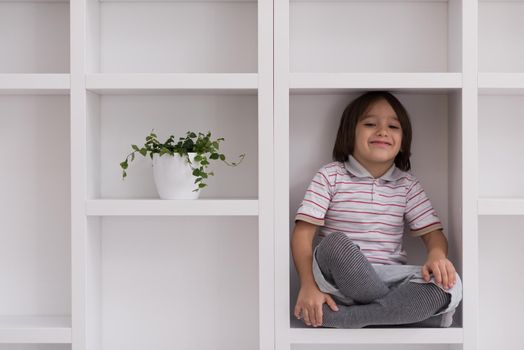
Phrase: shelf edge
(158, 207)
(500, 206)
(377, 336)
(34, 83)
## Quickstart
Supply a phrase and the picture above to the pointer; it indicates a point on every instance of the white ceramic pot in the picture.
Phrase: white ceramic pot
(174, 177)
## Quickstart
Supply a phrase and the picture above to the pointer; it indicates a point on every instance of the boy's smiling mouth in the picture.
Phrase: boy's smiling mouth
(381, 143)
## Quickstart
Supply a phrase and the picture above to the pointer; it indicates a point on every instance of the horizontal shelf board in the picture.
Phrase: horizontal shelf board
(304, 82)
(501, 83)
(501, 206)
(37, 1)
(147, 1)
(35, 329)
(376, 336)
(34, 83)
(290, 0)
(157, 207)
(256, 0)
(243, 83)
(371, 0)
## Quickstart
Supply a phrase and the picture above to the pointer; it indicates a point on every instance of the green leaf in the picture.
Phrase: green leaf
(135, 147)
(198, 179)
(214, 156)
(143, 152)
(222, 157)
(132, 156)
(124, 164)
(201, 185)
(188, 145)
(124, 174)
(196, 172)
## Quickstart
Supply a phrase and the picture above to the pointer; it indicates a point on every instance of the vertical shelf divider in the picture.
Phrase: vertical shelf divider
(281, 161)
(266, 173)
(79, 258)
(470, 173)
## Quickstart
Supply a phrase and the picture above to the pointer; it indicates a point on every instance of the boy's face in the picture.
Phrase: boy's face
(378, 136)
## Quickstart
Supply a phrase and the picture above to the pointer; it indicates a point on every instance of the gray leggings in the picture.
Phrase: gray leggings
(343, 265)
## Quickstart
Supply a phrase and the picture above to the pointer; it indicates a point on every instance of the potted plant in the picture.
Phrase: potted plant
(180, 168)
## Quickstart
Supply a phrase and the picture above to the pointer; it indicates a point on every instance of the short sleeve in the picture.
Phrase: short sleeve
(420, 215)
(316, 200)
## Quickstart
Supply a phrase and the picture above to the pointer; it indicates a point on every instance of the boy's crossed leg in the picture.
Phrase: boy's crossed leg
(344, 265)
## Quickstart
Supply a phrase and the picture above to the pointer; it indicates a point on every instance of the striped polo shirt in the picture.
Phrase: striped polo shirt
(345, 197)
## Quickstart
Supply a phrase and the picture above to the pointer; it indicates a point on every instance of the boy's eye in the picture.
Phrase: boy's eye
(369, 124)
(394, 127)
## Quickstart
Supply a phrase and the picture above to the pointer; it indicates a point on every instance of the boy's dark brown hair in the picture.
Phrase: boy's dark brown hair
(345, 142)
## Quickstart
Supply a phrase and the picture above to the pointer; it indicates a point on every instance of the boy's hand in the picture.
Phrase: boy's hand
(442, 269)
(309, 304)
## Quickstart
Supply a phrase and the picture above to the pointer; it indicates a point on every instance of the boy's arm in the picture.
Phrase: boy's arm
(310, 298)
(436, 243)
(302, 250)
(437, 261)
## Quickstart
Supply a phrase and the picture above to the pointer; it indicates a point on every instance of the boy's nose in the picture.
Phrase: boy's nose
(382, 131)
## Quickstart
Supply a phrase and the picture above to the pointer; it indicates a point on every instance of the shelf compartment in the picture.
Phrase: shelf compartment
(172, 37)
(341, 83)
(34, 37)
(115, 122)
(500, 28)
(33, 84)
(35, 252)
(35, 329)
(500, 145)
(436, 157)
(152, 278)
(343, 36)
(501, 206)
(501, 83)
(246, 83)
(156, 207)
(499, 260)
(377, 336)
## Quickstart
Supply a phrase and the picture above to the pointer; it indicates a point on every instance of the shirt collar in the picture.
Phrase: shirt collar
(356, 169)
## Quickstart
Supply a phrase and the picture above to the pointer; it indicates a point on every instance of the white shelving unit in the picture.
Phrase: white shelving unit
(35, 254)
(501, 99)
(326, 54)
(148, 271)
(89, 261)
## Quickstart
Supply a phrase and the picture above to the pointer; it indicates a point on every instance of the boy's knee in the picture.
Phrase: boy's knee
(337, 239)
(335, 242)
